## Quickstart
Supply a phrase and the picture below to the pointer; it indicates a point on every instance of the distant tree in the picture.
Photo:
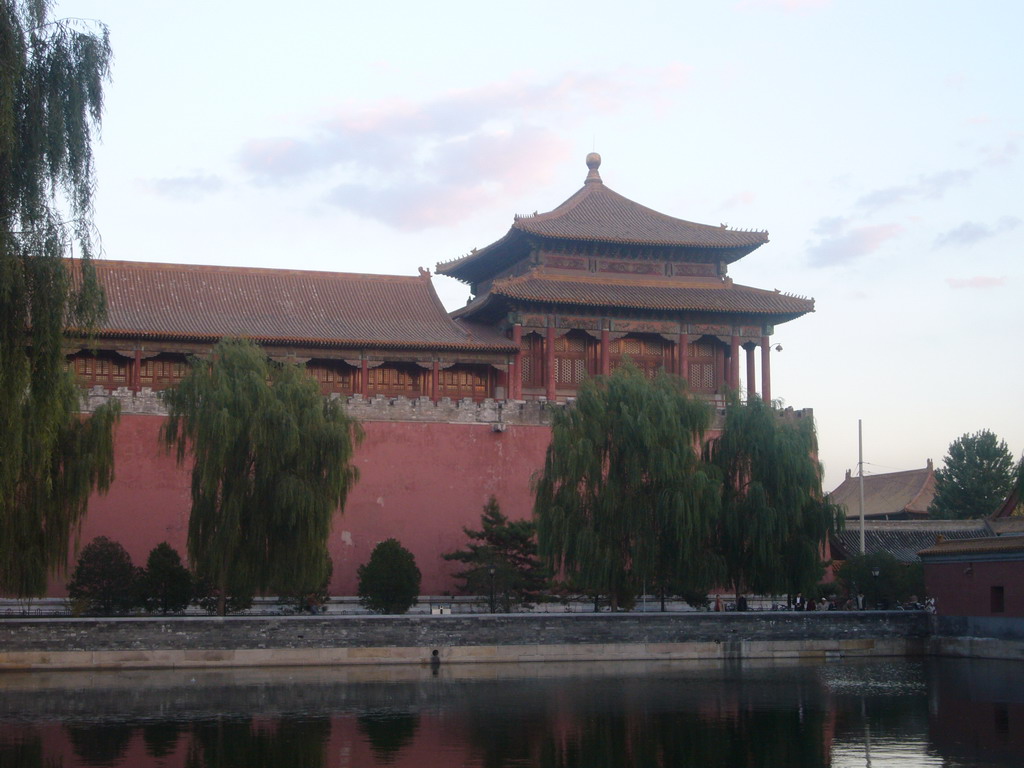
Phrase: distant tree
(502, 560)
(272, 463)
(623, 499)
(774, 517)
(977, 475)
(104, 581)
(896, 582)
(166, 583)
(52, 74)
(390, 581)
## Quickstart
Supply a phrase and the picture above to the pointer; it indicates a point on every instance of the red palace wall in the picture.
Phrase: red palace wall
(419, 483)
(965, 588)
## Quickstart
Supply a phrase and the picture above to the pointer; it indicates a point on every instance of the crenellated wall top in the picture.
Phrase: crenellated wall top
(380, 408)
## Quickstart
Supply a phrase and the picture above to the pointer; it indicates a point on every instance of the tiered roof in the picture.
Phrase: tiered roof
(597, 214)
(281, 306)
(662, 294)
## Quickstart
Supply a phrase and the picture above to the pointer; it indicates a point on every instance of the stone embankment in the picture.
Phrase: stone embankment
(326, 640)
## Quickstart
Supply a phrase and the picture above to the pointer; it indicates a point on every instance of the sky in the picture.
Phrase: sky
(878, 142)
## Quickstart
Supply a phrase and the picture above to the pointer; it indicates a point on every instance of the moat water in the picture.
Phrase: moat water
(844, 713)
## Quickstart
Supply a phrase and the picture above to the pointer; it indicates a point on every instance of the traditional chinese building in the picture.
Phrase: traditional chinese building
(455, 406)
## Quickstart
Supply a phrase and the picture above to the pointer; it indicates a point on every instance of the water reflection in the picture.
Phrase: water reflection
(895, 713)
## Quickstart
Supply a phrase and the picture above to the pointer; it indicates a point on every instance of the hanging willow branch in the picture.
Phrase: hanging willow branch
(624, 499)
(774, 518)
(272, 463)
(51, 459)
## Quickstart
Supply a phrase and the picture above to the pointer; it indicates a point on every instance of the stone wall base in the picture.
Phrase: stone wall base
(976, 648)
(735, 650)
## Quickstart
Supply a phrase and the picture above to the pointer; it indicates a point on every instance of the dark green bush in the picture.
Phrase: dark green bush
(390, 581)
(166, 584)
(104, 582)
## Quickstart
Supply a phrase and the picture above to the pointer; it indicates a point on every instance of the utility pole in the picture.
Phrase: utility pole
(860, 474)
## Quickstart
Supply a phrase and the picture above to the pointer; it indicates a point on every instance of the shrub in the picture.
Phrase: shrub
(390, 581)
(207, 597)
(104, 582)
(166, 583)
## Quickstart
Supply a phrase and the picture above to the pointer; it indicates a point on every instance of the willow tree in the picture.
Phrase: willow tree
(51, 459)
(271, 464)
(774, 518)
(624, 499)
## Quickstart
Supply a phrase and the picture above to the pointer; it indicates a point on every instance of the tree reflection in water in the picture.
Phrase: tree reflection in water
(100, 743)
(24, 752)
(161, 737)
(237, 743)
(388, 731)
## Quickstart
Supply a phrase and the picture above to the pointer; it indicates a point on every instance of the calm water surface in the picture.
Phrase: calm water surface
(847, 713)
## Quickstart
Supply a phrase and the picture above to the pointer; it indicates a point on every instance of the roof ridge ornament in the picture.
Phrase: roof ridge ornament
(593, 163)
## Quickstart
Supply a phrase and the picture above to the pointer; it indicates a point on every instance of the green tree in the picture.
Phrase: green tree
(272, 463)
(104, 581)
(166, 584)
(882, 579)
(51, 97)
(774, 517)
(977, 475)
(390, 581)
(624, 499)
(502, 560)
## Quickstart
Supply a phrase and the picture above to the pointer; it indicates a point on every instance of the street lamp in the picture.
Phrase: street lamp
(875, 570)
(491, 571)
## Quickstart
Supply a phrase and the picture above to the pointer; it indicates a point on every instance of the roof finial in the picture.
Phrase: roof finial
(593, 163)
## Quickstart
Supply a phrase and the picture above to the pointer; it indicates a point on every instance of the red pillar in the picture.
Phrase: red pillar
(751, 386)
(364, 379)
(734, 363)
(684, 360)
(766, 370)
(549, 360)
(515, 376)
(435, 372)
(606, 357)
(137, 371)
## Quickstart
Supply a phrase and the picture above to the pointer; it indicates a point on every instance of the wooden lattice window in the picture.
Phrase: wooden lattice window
(461, 381)
(701, 366)
(103, 368)
(532, 368)
(574, 354)
(397, 380)
(649, 354)
(162, 371)
(333, 376)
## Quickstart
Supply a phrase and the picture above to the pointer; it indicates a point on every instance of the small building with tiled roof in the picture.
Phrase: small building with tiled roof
(903, 539)
(602, 278)
(980, 580)
(902, 495)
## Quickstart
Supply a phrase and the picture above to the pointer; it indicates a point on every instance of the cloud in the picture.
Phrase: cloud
(1002, 154)
(926, 187)
(979, 282)
(971, 232)
(415, 164)
(184, 187)
(843, 247)
(469, 173)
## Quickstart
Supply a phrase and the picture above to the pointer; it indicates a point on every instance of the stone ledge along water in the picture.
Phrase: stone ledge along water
(238, 641)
